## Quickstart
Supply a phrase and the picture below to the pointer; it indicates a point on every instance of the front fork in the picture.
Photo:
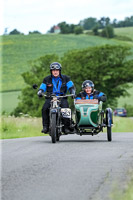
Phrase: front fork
(59, 120)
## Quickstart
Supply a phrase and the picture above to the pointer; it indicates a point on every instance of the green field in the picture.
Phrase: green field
(18, 50)
(127, 31)
(9, 101)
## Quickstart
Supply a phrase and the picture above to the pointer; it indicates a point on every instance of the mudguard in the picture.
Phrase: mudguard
(53, 110)
(109, 118)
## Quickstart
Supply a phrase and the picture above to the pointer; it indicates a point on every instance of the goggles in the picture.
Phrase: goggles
(55, 67)
(87, 85)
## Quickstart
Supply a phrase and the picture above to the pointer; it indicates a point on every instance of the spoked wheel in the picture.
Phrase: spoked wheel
(53, 128)
(109, 133)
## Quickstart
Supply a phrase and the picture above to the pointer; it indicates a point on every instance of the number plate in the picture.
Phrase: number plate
(66, 112)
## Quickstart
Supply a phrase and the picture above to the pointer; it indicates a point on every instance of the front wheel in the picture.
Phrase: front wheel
(53, 128)
(109, 134)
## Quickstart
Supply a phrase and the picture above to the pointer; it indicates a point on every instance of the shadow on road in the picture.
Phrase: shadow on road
(47, 139)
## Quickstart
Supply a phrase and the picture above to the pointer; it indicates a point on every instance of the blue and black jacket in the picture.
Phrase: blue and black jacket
(58, 86)
(95, 95)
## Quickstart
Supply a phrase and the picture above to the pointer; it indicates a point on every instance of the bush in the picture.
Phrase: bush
(34, 32)
(95, 30)
(78, 30)
(123, 38)
(108, 32)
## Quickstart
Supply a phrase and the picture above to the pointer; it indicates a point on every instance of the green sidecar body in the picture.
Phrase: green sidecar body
(90, 118)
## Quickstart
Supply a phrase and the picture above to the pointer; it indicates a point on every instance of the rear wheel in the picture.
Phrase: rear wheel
(109, 133)
(53, 128)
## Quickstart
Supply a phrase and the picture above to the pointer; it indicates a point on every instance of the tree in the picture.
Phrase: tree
(102, 22)
(107, 20)
(72, 28)
(108, 32)
(34, 32)
(107, 66)
(95, 30)
(114, 24)
(88, 23)
(15, 32)
(64, 27)
(51, 29)
(78, 30)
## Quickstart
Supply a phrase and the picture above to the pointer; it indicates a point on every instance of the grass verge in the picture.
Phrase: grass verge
(127, 193)
(122, 124)
(11, 127)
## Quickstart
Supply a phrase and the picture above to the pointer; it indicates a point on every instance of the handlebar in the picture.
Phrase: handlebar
(53, 95)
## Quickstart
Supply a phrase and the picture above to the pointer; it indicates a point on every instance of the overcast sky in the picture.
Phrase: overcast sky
(41, 15)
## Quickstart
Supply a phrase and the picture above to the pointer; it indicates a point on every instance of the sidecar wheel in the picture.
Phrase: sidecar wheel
(109, 134)
(53, 128)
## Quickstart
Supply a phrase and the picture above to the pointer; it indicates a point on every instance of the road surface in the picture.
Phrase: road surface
(76, 168)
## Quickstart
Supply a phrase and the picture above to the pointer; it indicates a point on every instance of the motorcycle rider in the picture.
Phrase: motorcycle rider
(57, 84)
(90, 93)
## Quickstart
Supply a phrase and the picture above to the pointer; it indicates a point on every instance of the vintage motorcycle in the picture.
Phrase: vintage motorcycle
(57, 115)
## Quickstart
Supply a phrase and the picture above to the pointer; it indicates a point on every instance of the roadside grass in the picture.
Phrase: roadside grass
(122, 124)
(126, 194)
(11, 127)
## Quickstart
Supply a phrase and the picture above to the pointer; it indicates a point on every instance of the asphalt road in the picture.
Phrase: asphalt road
(76, 168)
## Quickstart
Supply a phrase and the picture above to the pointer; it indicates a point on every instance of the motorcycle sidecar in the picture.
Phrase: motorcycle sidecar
(89, 117)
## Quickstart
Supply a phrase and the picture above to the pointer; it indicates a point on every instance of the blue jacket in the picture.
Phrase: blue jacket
(95, 95)
(58, 86)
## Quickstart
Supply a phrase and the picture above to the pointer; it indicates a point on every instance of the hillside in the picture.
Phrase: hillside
(19, 49)
(127, 31)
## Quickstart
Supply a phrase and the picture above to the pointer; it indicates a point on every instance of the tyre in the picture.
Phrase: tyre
(109, 122)
(57, 137)
(109, 133)
(53, 128)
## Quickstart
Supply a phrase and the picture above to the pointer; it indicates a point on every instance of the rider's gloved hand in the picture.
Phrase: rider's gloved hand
(102, 98)
(40, 93)
(72, 91)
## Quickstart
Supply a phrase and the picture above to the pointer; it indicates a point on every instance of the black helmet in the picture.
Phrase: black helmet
(55, 65)
(88, 83)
